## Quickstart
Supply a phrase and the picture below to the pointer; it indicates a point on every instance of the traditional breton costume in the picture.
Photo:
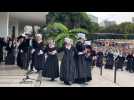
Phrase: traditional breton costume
(89, 56)
(94, 58)
(130, 63)
(27, 47)
(82, 68)
(52, 63)
(68, 72)
(99, 59)
(109, 61)
(10, 58)
(119, 62)
(2, 44)
(25, 52)
(20, 51)
(38, 53)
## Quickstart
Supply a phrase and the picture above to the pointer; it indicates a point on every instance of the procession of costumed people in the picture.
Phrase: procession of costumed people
(31, 52)
(74, 66)
(76, 63)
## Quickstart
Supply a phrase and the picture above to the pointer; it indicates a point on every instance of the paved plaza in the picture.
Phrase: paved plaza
(12, 76)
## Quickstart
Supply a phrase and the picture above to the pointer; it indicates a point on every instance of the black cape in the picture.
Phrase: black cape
(10, 58)
(119, 62)
(38, 59)
(99, 60)
(93, 55)
(24, 57)
(89, 64)
(83, 71)
(19, 57)
(52, 64)
(2, 44)
(130, 63)
(68, 65)
(109, 61)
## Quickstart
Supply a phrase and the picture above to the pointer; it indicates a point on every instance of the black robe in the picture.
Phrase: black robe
(38, 59)
(52, 64)
(119, 62)
(89, 64)
(82, 69)
(99, 60)
(19, 56)
(93, 55)
(109, 61)
(25, 54)
(68, 68)
(2, 44)
(10, 58)
(130, 63)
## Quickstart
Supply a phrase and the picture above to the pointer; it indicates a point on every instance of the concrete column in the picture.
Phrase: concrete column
(4, 22)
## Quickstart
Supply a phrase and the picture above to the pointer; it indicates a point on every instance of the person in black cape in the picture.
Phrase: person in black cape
(89, 58)
(68, 72)
(99, 59)
(82, 68)
(2, 44)
(119, 61)
(130, 62)
(109, 61)
(38, 53)
(20, 47)
(26, 52)
(93, 58)
(10, 58)
(52, 63)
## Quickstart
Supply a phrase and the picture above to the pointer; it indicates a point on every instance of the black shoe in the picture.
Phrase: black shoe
(68, 83)
(130, 71)
(85, 83)
(38, 71)
(52, 79)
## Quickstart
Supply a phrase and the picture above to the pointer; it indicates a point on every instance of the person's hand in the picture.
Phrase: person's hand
(79, 53)
(53, 52)
(40, 53)
(21, 51)
(33, 50)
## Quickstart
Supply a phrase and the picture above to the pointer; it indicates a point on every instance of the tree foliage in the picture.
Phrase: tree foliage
(123, 28)
(58, 32)
(73, 20)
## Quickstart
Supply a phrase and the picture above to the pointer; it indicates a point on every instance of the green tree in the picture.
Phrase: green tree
(72, 20)
(58, 32)
(123, 28)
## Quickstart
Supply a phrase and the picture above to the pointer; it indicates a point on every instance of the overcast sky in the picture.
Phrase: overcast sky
(114, 16)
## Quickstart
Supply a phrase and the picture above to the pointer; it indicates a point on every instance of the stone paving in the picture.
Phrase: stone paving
(12, 76)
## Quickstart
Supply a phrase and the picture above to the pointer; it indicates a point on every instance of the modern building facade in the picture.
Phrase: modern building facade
(14, 22)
